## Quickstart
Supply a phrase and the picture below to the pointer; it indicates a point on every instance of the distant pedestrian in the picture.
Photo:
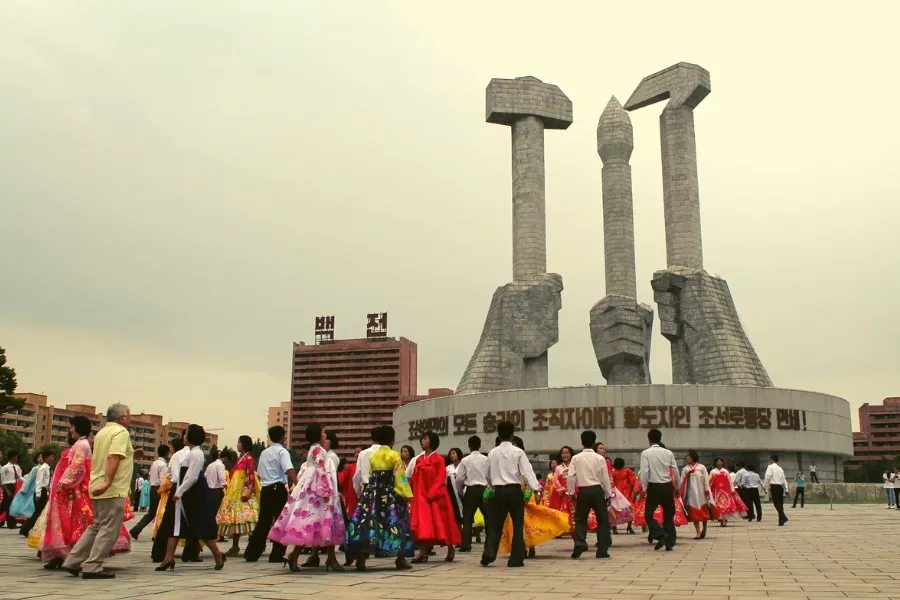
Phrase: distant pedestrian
(750, 483)
(813, 477)
(111, 467)
(777, 485)
(10, 474)
(896, 480)
(136, 496)
(800, 491)
(888, 478)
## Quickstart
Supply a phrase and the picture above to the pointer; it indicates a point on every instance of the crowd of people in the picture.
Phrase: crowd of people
(384, 505)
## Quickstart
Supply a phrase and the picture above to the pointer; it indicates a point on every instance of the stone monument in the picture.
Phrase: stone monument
(696, 311)
(621, 327)
(522, 322)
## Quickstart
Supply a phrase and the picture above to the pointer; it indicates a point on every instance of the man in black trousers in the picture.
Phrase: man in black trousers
(589, 476)
(471, 481)
(41, 490)
(507, 466)
(157, 471)
(657, 470)
(275, 470)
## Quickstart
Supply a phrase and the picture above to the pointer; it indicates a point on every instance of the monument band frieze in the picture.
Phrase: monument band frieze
(604, 417)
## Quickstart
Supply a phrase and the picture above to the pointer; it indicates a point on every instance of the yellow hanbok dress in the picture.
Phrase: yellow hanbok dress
(542, 524)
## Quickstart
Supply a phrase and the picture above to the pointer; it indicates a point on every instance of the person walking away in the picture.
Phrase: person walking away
(10, 474)
(888, 479)
(275, 471)
(657, 470)
(750, 483)
(239, 512)
(194, 520)
(588, 474)
(111, 467)
(216, 480)
(154, 480)
(895, 478)
(136, 496)
(507, 467)
(471, 481)
(800, 491)
(813, 476)
(777, 485)
(41, 490)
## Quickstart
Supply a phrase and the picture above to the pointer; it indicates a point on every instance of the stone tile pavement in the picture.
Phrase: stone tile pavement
(848, 552)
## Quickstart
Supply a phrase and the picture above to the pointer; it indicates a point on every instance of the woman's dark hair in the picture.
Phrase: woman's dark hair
(409, 449)
(694, 456)
(313, 433)
(246, 443)
(332, 437)
(518, 442)
(195, 434)
(571, 453)
(433, 440)
(619, 463)
(717, 459)
(81, 425)
(385, 435)
(459, 454)
(214, 454)
(342, 465)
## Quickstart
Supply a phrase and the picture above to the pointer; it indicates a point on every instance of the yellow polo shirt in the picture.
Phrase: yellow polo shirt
(113, 439)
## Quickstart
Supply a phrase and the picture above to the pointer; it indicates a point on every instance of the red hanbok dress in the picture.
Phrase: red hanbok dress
(725, 502)
(432, 517)
(345, 483)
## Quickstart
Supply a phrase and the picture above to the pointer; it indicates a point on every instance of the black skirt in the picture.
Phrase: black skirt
(198, 522)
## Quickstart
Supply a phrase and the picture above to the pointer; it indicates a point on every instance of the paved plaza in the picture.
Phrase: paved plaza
(848, 552)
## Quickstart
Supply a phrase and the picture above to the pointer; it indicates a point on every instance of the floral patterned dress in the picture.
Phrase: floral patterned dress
(235, 516)
(724, 500)
(380, 525)
(312, 516)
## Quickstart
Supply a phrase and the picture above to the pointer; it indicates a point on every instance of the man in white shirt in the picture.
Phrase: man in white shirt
(363, 464)
(507, 466)
(750, 483)
(10, 473)
(215, 479)
(41, 490)
(589, 476)
(813, 477)
(275, 470)
(155, 477)
(657, 470)
(888, 488)
(777, 486)
(471, 480)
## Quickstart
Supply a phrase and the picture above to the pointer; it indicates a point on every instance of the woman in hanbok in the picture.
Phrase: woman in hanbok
(239, 511)
(432, 519)
(724, 499)
(193, 521)
(69, 511)
(312, 517)
(549, 497)
(541, 525)
(695, 492)
(22, 505)
(144, 502)
(566, 503)
(406, 455)
(453, 457)
(380, 526)
(625, 481)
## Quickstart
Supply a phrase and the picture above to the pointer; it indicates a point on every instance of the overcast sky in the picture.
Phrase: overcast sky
(185, 186)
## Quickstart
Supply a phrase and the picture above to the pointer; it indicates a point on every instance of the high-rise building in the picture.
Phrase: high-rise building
(879, 431)
(350, 386)
(39, 423)
(280, 415)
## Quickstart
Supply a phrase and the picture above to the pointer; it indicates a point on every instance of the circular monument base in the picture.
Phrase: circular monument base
(737, 423)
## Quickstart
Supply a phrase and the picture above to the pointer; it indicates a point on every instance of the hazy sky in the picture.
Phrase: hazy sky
(185, 186)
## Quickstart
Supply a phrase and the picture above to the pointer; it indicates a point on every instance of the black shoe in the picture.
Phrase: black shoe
(485, 562)
(516, 565)
(660, 543)
(54, 564)
(577, 552)
(531, 553)
(602, 554)
(669, 548)
(461, 549)
(99, 575)
(73, 571)
(133, 535)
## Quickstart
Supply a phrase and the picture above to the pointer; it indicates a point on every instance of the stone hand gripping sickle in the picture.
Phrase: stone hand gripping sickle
(696, 310)
(522, 322)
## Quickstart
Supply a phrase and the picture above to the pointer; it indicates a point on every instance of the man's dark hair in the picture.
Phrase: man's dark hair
(385, 435)
(588, 439)
(81, 425)
(474, 443)
(313, 433)
(506, 430)
(12, 455)
(740, 464)
(48, 454)
(162, 451)
(177, 444)
(433, 440)
(655, 436)
(276, 434)
(619, 463)
(774, 458)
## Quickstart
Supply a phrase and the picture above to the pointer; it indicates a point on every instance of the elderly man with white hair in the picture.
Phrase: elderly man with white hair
(110, 484)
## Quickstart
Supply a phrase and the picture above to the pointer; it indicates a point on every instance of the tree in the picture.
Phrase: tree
(8, 387)
(258, 447)
(10, 441)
